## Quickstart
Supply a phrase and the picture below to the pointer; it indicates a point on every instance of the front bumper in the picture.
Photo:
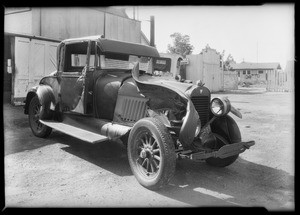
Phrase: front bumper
(223, 152)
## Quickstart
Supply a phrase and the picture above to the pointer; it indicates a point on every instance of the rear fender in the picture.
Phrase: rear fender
(45, 95)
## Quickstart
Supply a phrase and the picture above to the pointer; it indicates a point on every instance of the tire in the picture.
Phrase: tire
(34, 114)
(151, 153)
(225, 131)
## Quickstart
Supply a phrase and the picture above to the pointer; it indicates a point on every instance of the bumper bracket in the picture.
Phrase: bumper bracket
(223, 152)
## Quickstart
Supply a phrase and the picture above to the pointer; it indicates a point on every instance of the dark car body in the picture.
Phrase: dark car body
(109, 87)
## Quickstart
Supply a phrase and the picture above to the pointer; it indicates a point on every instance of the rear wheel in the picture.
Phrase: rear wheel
(34, 115)
(151, 153)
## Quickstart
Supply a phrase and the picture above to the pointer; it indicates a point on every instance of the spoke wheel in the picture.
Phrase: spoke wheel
(34, 115)
(151, 153)
(148, 155)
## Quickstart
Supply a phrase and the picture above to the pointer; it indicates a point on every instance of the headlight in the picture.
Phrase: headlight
(220, 106)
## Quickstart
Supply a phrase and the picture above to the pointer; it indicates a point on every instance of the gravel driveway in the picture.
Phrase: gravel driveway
(61, 171)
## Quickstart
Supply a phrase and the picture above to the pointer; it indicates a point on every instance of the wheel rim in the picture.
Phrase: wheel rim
(148, 155)
(35, 118)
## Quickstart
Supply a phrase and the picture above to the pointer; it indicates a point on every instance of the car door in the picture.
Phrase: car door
(73, 77)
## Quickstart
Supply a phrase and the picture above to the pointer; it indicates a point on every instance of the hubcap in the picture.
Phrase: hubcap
(149, 155)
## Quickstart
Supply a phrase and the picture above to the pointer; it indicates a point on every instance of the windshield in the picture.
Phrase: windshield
(126, 62)
(154, 66)
(77, 57)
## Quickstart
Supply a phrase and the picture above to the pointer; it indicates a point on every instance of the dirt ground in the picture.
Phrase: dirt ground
(61, 171)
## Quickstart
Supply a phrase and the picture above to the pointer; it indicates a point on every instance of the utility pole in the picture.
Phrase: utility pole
(256, 51)
(152, 31)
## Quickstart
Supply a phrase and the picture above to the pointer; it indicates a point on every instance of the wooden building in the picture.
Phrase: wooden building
(207, 67)
(289, 71)
(256, 73)
(31, 36)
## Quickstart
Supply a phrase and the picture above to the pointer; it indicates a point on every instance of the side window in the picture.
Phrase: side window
(78, 60)
(75, 57)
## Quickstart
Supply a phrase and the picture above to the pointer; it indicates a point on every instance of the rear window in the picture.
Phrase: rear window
(108, 62)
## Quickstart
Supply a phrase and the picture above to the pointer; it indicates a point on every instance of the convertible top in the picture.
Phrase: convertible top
(116, 46)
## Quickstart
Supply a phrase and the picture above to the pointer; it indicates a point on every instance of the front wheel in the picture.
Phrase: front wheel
(151, 153)
(34, 115)
(221, 162)
(225, 131)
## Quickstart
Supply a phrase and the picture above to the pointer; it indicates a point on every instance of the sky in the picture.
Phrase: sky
(249, 33)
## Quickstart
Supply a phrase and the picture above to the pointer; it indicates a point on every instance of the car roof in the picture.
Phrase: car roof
(117, 46)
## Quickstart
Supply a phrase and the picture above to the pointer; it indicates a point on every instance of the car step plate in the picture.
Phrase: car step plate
(73, 131)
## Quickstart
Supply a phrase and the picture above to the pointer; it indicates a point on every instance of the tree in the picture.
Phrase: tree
(181, 44)
(228, 62)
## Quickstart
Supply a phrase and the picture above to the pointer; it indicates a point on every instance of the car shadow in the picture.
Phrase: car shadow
(243, 183)
(109, 155)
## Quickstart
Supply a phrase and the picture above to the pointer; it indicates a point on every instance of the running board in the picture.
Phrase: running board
(76, 132)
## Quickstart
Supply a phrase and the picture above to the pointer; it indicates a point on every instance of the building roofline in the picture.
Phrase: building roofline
(30, 36)
(255, 66)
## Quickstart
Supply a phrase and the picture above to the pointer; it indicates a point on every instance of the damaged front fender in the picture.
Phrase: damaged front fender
(163, 95)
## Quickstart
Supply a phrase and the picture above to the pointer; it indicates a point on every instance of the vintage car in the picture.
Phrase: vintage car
(109, 90)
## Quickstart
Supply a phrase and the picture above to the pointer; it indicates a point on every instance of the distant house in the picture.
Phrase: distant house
(255, 72)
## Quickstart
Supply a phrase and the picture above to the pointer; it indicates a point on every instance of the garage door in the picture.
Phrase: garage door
(33, 60)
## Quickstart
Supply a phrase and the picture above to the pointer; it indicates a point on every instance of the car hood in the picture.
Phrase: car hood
(159, 81)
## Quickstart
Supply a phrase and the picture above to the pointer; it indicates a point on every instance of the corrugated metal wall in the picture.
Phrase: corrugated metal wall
(62, 23)
(18, 22)
(124, 29)
(70, 22)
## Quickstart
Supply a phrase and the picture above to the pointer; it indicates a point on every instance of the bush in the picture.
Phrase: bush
(245, 83)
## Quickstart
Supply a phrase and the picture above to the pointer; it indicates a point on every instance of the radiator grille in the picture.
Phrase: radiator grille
(201, 104)
(133, 109)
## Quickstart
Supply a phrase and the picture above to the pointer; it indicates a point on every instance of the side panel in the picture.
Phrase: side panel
(106, 93)
(71, 92)
(131, 105)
